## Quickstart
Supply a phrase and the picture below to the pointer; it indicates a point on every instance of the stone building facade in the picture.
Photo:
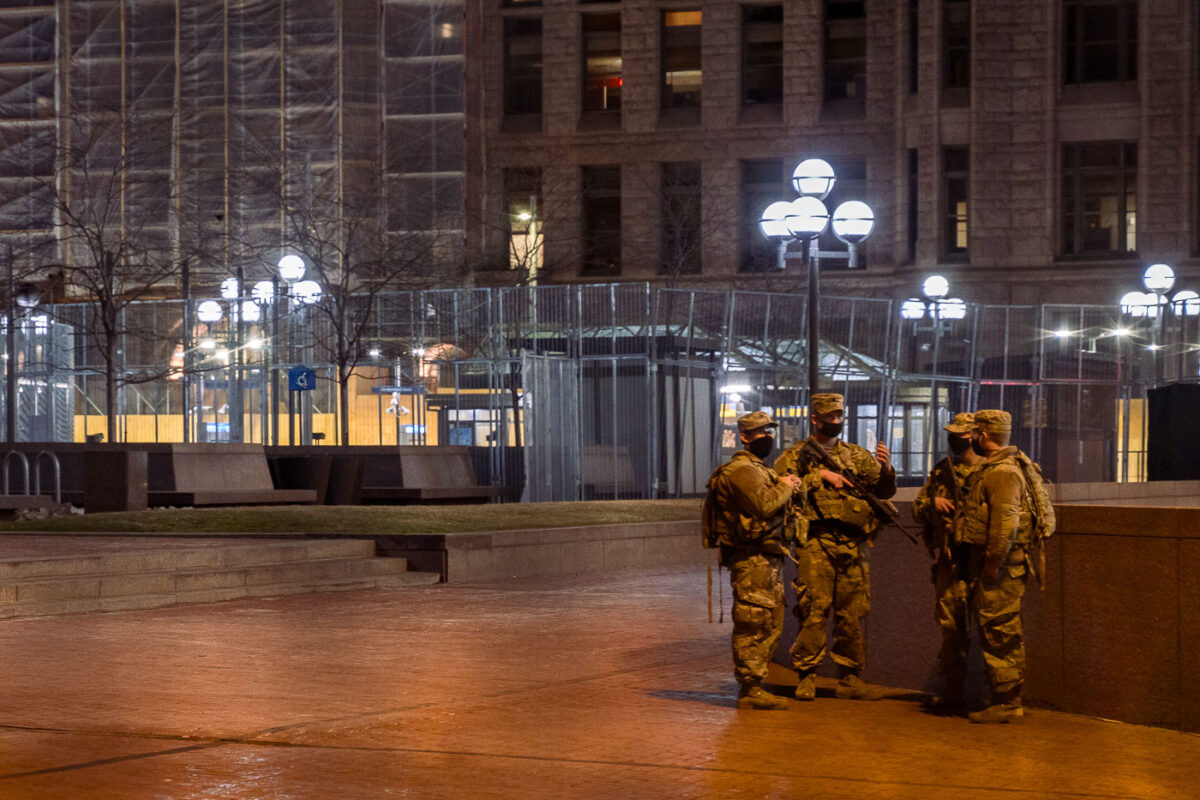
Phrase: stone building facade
(1030, 150)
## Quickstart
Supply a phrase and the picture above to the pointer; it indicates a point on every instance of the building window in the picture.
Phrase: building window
(522, 65)
(680, 223)
(762, 54)
(845, 50)
(762, 183)
(1101, 41)
(914, 45)
(851, 184)
(956, 44)
(1099, 198)
(681, 75)
(914, 208)
(523, 206)
(601, 215)
(956, 187)
(602, 62)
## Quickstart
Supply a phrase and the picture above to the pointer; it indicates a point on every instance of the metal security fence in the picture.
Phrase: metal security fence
(605, 391)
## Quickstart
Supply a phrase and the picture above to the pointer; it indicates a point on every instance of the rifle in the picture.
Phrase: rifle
(950, 481)
(886, 512)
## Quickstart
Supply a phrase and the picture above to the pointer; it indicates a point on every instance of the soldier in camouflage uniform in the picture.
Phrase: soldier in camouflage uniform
(1006, 501)
(832, 569)
(935, 509)
(755, 525)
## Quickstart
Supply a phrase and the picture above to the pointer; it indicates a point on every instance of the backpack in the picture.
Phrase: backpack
(1039, 497)
(710, 518)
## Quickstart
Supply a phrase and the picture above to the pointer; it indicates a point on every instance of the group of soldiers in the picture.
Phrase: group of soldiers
(984, 511)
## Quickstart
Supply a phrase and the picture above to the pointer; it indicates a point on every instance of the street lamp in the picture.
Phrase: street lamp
(939, 309)
(209, 311)
(853, 221)
(302, 294)
(1158, 301)
(803, 220)
(935, 305)
(263, 293)
(291, 268)
(307, 292)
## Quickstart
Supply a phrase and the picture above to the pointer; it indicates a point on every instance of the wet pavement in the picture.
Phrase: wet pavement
(611, 686)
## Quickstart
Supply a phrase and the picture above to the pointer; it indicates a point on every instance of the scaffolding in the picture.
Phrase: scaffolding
(206, 130)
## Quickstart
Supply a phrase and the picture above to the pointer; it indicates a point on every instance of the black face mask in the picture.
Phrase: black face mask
(958, 444)
(831, 430)
(978, 448)
(762, 446)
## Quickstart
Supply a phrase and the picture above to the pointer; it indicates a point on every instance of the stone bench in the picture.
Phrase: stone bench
(216, 475)
(607, 472)
(425, 475)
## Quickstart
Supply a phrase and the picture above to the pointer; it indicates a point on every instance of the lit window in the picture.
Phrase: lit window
(681, 74)
(1099, 198)
(956, 182)
(602, 62)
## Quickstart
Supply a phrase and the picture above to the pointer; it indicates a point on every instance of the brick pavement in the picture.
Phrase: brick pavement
(610, 686)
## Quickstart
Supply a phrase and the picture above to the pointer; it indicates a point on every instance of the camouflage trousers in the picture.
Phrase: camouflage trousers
(996, 609)
(757, 581)
(951, 610)
(831, 574)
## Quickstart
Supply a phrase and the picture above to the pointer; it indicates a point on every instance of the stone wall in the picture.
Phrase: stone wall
(1115, 633)
(504, 555)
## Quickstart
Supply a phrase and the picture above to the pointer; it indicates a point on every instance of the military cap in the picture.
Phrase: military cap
(755, 420)
(825, 403)
(993, 420)
(964, 422)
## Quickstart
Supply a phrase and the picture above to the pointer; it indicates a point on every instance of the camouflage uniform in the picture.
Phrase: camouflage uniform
(997, 525)
(950, 570)
(832, 568)
(755, 525)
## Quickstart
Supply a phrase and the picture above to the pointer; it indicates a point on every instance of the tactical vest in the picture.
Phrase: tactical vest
(722, 522)
(1035, 515)
(839, 506)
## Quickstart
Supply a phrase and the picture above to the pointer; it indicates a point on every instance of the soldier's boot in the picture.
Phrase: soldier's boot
(1005, 707)
(806, 688)
(951, 699)
(753, 696)
(852, 687)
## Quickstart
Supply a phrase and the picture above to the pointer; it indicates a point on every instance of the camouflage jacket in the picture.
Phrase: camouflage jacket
(936, 527)
(840, 505)
(754, 508)
(1000, 507)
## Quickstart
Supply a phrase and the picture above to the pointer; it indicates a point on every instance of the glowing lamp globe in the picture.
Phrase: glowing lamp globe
(813, 177)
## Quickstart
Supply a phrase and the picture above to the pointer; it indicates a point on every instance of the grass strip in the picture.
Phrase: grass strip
(370, 519)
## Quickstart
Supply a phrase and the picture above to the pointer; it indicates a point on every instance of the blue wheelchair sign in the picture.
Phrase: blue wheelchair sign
(302, 379)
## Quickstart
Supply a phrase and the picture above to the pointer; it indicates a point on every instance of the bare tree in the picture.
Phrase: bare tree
(339, 227)
(109, 201)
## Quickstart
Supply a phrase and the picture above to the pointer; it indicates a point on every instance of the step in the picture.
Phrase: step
(186, 579)
(150, 579)
(80, 605)
(199, 558)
